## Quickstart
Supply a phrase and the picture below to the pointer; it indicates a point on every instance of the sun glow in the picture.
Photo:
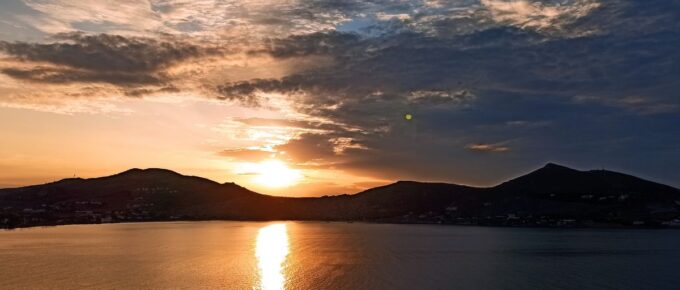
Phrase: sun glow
(272, 173)
(271, 250)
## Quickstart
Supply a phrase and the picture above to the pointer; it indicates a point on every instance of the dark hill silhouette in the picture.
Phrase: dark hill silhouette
(553, 178)
(162, 187)
(551, 195)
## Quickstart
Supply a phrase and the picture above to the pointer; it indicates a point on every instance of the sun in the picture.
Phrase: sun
(275, 173)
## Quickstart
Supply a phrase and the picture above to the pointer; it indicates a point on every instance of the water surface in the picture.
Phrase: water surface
(301, 255)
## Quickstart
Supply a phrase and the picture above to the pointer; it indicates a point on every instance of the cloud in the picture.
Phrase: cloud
(386, 17)
(317, 43)
(247, 92)
(309, 148)
(57, 16)
(635, 104)
(349, 71)
(538, 15)
(309, 126)
(131, 66)
(483, 147)
(108, 53)
(500, 82)
(70, 105)
(527, 124)
(441, 97)
(64, 75)
(344, 144)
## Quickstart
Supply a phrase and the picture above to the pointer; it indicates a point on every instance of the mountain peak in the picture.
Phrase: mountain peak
(549, 176)
(136, 171)
(555, 178)
(551, 165)
(553, 169)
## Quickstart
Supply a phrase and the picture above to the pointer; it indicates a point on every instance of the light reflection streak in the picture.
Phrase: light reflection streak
(271, 250)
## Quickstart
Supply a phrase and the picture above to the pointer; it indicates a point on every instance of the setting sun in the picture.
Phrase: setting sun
(273, 173)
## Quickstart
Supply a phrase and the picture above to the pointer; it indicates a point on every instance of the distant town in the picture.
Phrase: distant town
(140, 210)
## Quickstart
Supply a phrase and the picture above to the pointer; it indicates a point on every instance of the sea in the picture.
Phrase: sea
(335, 255)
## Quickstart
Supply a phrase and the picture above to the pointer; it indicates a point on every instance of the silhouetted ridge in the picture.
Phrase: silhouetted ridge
(155, 175)
(148, 171)
(545, 196)
(554, 178)
(551, 177)
(554, 167)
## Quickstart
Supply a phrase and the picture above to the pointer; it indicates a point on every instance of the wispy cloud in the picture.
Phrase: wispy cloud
(636, 104)
(484, 147)
(539, 15)
(59, 16)
(441, 97)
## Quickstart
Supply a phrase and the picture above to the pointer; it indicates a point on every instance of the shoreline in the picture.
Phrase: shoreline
(570, 227)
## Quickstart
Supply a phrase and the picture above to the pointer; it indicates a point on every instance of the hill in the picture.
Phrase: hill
(553, 195)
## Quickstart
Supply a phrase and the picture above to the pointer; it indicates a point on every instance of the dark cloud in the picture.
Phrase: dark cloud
(65, 75)
(500, 81)
(107, 53)
(310, 148)
(246, 92)
(136, 64)
(318, 43)
(139, 92)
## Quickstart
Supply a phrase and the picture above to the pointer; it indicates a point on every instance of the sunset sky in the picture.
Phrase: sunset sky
(307, 98)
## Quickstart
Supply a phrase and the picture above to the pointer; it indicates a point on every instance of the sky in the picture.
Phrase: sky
(310, 98)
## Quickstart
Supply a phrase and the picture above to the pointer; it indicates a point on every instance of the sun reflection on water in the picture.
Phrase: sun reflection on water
(271, 250)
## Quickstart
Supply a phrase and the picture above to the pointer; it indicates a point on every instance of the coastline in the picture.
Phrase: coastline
(612, 226)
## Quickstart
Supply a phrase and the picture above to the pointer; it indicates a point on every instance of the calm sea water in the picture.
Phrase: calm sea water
(300, 255)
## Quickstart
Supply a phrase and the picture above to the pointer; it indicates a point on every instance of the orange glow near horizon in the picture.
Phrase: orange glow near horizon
(271, 250)
(42, 147)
